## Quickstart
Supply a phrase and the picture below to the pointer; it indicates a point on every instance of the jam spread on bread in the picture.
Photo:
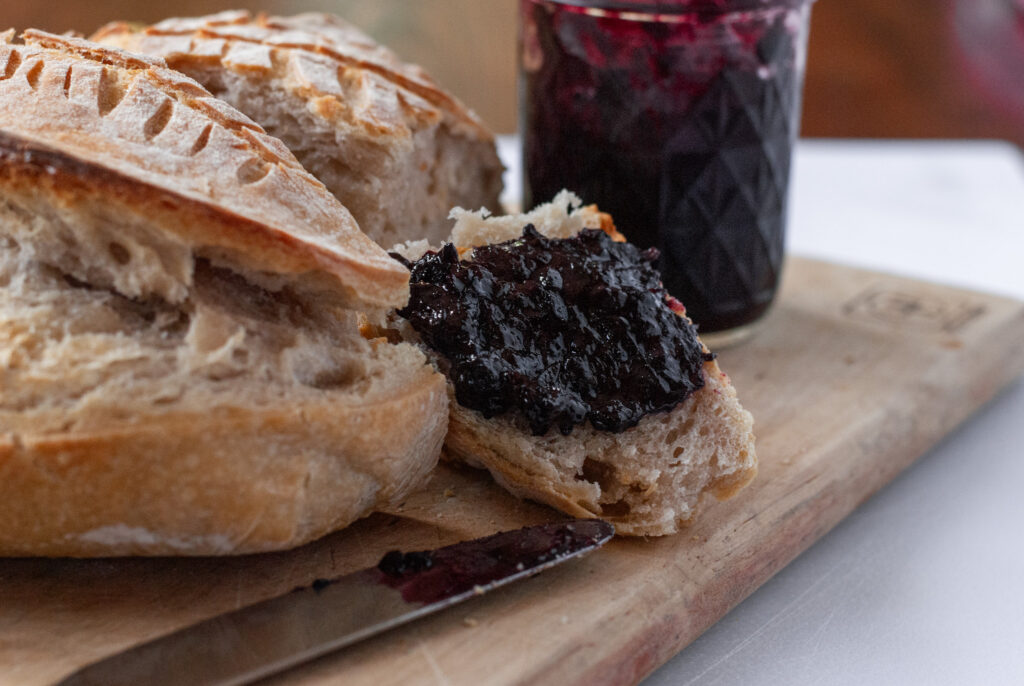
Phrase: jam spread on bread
(556, 331)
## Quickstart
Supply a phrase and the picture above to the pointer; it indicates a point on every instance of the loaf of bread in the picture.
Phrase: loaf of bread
(649, 479)
(181, 365)
(395, 148)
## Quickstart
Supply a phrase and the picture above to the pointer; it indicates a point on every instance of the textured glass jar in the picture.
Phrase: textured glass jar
(678, 118)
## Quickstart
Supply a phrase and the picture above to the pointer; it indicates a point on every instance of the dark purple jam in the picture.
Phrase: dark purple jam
(474, 565)
(681, 127)
(397, 563)
(556, 331)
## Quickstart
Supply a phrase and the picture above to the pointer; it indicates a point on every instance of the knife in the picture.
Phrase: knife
(269, 637)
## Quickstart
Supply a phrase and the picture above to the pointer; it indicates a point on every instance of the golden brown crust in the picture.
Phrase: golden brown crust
(226, 481)
(125, 191)
(90, 51)
(385, 139)
(216, 39)
(604, 222)
(37, 169)
(95, 121)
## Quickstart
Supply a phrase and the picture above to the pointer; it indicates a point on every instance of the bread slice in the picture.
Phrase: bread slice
(649, 480)
(394, 147)
(181, 364)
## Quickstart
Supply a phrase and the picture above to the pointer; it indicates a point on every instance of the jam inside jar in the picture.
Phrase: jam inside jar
(678, 118)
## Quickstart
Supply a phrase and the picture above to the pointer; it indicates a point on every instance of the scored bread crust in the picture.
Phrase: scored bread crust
(83, 123)
(389, 142)
(181, 367)
(649, 480)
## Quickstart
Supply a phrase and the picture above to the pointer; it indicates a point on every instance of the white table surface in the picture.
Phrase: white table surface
(924, 583)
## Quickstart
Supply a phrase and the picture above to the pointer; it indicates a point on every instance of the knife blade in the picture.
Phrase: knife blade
(260, 640)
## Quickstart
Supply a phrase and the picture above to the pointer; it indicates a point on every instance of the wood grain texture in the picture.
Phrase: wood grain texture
(852, 377)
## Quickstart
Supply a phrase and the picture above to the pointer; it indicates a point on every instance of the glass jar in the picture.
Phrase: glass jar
(679, 119)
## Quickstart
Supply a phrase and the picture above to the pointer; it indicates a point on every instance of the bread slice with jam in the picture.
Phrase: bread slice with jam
(648, 474)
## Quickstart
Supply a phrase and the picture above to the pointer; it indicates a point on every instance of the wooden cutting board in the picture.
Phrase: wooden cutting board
(852, 377)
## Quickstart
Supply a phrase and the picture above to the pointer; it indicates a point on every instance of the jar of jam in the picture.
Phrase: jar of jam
(679, 118)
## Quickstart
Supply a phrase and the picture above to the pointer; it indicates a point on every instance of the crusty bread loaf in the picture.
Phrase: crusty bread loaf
(396, 149)
(181, 364)
(138, 143)
(647, 480)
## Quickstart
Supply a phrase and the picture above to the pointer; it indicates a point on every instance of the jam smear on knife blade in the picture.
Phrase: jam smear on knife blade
(475, 564)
